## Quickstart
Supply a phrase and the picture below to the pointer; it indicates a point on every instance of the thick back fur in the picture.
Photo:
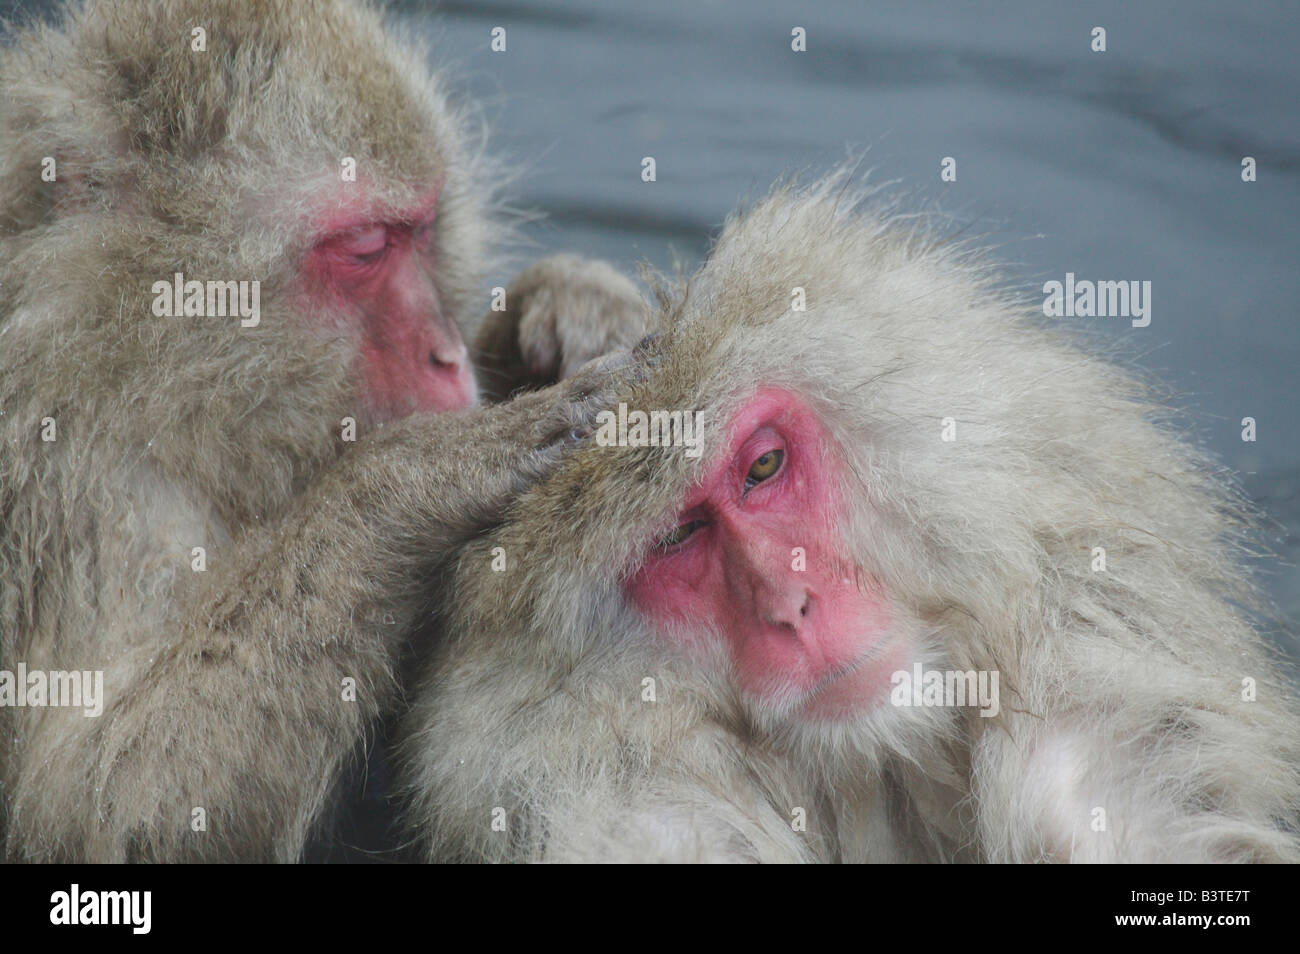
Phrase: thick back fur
(1120, 689)
(180, 432)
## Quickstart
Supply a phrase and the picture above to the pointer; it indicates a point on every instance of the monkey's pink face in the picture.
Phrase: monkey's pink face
(378, 275)
(757, 556)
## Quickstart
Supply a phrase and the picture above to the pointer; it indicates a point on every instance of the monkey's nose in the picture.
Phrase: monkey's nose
(787, 610)
(449, 359)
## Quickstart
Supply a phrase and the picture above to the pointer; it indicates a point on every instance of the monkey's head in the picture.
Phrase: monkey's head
(898, 465)
(295, 144)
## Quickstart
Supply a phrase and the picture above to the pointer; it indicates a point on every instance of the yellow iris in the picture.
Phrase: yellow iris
(764, 467)
(680, 534)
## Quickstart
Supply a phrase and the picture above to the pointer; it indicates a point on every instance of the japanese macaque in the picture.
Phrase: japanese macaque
(935, 586)
(241, 245)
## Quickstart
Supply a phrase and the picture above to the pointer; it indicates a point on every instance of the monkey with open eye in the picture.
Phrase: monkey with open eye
(860, 619)
(242, 248)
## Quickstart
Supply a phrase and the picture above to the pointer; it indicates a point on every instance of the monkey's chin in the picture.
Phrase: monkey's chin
(861, 687)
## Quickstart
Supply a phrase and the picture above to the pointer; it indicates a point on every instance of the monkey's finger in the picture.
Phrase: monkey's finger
(623, 363)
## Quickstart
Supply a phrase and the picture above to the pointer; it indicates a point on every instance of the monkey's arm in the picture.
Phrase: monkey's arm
(635, 826)
(498, 766)
(1161, 762)
(581, 813)
(559, 314)
(224, 727)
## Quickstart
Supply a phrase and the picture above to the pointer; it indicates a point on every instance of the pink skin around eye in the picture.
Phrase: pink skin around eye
(378, 276)
(816, 636)
(422, 235)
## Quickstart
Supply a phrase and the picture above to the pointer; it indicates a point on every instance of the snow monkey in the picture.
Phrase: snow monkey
(241, 245)
(935, 584)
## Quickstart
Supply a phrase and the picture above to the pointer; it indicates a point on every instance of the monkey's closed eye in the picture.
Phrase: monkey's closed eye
(679, 535)
(362, 246)
(764, 467)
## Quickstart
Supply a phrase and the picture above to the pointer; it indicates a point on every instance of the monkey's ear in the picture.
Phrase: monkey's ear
(75, 188)
(24, 199)
(47, 152)
(34, 189)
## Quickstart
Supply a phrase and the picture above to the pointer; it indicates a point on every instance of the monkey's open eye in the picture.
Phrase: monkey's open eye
(679, 535)
(764, 467)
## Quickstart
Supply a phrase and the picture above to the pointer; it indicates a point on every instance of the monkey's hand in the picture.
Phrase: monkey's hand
(559, 314)
(477, 460)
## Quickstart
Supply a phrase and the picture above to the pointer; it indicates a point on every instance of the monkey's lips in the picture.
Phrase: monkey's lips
(856, 687)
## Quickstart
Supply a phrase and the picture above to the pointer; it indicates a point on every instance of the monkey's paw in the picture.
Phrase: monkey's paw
(561, 313)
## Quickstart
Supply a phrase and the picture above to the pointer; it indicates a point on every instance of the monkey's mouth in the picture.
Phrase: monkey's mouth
(854, 687)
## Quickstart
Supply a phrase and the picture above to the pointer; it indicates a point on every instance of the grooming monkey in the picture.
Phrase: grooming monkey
(708, 657)
(235, 515)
